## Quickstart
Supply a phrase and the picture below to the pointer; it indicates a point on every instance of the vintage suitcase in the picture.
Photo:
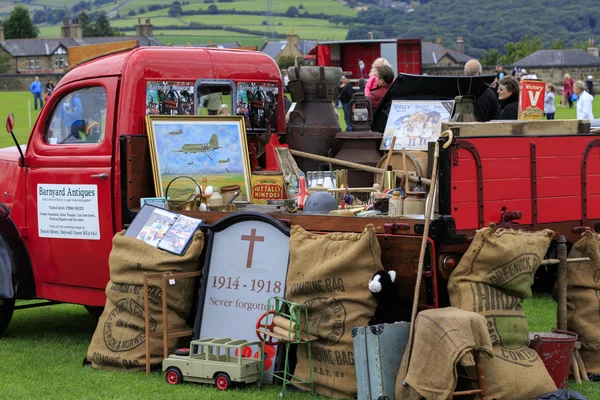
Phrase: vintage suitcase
(378, 351)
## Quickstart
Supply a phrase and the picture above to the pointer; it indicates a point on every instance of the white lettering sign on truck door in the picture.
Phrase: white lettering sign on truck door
(68, 211)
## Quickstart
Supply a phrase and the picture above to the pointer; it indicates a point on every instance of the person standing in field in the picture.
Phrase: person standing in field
(584, 101)
(346, 93)
(549, 108)
(36, 89)
(361, 67)
(49, 89)
(567, 91)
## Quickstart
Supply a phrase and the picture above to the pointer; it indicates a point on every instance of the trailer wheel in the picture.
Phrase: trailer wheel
(173, 376)
(7, 306)
(222, 381)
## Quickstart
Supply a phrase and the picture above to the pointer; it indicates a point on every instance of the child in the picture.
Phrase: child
(549, 108)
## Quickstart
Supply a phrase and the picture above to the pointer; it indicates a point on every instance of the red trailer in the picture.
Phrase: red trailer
(403, 54)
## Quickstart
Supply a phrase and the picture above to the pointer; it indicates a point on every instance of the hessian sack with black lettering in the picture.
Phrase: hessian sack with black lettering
(583, 299)
(330, 274)
(492, 279)
(119, 341)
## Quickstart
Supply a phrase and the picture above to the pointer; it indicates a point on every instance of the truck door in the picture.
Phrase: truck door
(70, 182)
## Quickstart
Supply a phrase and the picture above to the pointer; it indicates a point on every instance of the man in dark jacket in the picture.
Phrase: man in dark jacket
(487, 106)
(346, 93)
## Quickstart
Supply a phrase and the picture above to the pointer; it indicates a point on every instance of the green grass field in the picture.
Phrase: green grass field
(43, 349)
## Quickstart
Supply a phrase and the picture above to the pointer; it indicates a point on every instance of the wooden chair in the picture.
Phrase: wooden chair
(480, 379)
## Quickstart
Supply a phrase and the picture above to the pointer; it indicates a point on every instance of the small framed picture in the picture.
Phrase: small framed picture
(160, 202)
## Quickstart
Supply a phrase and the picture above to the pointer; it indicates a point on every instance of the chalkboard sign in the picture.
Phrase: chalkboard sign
(246, 263)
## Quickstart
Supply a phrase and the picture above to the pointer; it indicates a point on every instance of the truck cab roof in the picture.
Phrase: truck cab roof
(177, 62)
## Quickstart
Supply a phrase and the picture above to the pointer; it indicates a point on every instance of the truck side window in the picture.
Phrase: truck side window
(78, 117)
(214, 100)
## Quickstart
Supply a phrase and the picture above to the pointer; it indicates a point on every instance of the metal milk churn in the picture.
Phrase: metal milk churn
(313, 123)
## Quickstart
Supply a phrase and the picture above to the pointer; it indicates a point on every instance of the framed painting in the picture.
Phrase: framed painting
(414, 123)
(211, 147)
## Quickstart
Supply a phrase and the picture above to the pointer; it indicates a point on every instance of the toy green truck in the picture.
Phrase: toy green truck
(219, 361)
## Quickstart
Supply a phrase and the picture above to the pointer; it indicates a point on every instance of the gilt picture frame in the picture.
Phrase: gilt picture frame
(211, 147)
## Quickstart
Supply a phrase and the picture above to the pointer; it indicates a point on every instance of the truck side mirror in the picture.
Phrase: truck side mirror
(10, 124)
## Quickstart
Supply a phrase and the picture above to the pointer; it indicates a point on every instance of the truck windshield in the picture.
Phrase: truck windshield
(78, 117)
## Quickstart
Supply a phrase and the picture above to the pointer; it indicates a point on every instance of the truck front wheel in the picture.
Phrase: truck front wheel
(7, 306)
(173, 376)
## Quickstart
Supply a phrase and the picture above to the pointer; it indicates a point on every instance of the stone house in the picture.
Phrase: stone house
(50, 56)
(291, 47)
(552, 65)
(436, 55)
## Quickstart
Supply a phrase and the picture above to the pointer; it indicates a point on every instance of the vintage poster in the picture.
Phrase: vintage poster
(415, 123)
(257, 101)
(169, 98)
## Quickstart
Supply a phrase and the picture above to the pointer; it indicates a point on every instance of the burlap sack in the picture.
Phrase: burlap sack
(583, 298)
(119, 339)
(330, 273)
(492, 279)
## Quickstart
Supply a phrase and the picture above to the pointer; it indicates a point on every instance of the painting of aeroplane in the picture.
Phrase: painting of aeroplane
(199, 147)
(212, 145)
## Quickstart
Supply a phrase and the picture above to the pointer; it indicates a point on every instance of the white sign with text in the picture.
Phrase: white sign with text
(68, 211)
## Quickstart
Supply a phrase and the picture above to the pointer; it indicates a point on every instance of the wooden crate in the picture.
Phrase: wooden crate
(518, 128)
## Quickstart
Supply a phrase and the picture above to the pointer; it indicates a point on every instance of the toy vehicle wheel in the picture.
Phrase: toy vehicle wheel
(222, 381)
(173, 376)
(182, 352)
(7, 306)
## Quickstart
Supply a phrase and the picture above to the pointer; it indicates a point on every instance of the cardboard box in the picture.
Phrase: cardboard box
(531, 99)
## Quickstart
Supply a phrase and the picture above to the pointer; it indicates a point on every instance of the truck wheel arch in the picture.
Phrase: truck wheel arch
(20, 268)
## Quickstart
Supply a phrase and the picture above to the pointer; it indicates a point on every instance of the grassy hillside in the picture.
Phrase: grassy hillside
(488, 24)
(307, 27)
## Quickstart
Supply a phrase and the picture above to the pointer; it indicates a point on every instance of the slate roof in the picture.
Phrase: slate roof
(46, 47)
(432, 53)
(549, 58)
(273, 49)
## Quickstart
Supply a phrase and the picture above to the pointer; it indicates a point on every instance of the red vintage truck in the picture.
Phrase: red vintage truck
(404, 55)
(65, 195)
(63, 200)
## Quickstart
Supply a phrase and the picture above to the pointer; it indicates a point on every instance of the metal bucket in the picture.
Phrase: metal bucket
(555, 349)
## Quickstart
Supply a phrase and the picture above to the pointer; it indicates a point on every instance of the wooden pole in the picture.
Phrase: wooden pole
(350, 164)
(415, 306)
(405, 168)
(561, 253)
(385, 165)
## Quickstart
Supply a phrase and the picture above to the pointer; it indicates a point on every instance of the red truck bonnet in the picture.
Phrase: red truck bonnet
(11, 154)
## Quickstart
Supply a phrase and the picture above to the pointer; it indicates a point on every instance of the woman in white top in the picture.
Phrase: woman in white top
(584, 101)
(549, 108)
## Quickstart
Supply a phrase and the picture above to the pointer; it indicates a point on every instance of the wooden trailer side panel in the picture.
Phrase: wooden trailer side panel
(539, 176)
